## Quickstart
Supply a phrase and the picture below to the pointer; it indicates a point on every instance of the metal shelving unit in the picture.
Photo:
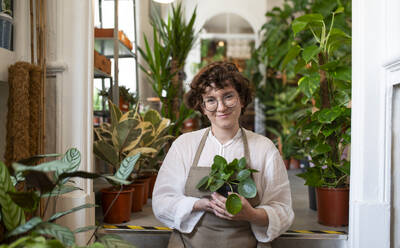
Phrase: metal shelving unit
(112, 47)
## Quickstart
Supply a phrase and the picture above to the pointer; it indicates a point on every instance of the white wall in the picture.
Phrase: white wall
(376, 58)
(395, 219)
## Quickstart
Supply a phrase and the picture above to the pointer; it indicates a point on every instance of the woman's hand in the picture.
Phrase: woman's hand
(203, 204)
(247, 213)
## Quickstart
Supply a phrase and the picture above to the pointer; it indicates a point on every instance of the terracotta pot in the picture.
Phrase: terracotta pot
(146, 181)
(121, 208)
(294, 163)
(153, 177)
(333, 206)
(287, 163)
(137, 196)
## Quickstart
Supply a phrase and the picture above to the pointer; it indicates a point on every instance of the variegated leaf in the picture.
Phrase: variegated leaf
(163, 126)
(143, 150)
(12, 214)
(32, 223)
(154, 117)
(73, 158)
(115, 114)
(106, 152)
(61, 214)
(61, 233)
(126, 166)
(161, 142)
(126, 132)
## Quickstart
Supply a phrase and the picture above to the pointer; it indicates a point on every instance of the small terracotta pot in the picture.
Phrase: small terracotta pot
(137, 196)
(294, 163)
(333, 206)
(153, 177)
(121, 208)
(146, 181)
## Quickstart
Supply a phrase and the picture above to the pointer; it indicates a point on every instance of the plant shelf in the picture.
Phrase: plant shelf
(105, 46)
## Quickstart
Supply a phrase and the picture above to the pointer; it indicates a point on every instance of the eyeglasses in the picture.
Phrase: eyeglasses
(211, 104)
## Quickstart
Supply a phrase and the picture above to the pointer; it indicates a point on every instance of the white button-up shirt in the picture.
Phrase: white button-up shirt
(173, 208)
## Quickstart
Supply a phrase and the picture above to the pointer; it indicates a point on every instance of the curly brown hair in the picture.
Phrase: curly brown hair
(218, 75)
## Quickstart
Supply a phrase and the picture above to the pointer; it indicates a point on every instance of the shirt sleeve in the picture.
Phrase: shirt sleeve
(276, 200)
(170, 205)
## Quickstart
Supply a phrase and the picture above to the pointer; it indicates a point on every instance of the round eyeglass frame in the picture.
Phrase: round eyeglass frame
(223, 102)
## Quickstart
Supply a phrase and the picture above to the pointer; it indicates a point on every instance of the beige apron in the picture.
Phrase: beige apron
(212, 231)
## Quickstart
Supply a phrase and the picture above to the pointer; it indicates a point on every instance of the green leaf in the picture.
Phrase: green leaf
(60, 214)
(61, 233)
(106, 152)
(84, 229)
(71, 157)
(312, 177)
(202, 182)
(116, 180)
(328, 132)
(321, 149)
(32, 223)
(298, 26)
(242, 175)
(12, 214)
(81, 174)
(328, 115)
(340, 9)
(28, 201)
(44, 167)
(233, 204)
(292, 54)
(300, 65)
(342, 73)
(247, 188)
(310, 52)
(216, 185)
(220, 161)
(330, 66)
(242, 163)
(126, 167)
(126, 132)
(61, 189)
(345, 167)
(309, 84)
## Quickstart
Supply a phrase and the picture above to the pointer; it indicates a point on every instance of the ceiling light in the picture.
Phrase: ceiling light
(221, 43)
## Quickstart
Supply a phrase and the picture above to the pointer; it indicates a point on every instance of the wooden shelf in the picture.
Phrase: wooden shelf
(105, 46)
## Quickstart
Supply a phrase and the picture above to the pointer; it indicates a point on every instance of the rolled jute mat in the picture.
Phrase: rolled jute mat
(23, 117)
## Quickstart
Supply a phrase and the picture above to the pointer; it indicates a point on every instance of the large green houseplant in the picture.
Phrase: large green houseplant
(324, 63)
(42, 231)
(172, 41)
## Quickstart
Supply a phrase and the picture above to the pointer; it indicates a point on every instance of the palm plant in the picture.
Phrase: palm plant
(172, 41)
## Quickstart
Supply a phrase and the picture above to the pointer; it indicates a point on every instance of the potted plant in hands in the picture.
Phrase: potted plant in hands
(121, 140)
(324, 63)
(233, 177)
(42, 231)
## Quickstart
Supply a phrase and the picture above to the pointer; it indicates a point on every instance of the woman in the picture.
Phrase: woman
(221, 93)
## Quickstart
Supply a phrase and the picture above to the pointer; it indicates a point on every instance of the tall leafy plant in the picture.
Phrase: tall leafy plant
(172, 41)
(324, 63)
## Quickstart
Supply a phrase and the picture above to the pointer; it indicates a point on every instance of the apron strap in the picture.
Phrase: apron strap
(200, 148)
(246, 147)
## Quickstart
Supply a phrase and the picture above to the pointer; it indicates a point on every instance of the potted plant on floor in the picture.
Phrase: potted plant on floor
(115, 143)
(324, 62)
(43, 231)
(129, 134)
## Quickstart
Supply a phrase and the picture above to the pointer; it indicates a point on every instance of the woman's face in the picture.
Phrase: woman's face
(224, 116)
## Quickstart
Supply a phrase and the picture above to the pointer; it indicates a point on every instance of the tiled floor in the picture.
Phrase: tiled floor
(306, 219)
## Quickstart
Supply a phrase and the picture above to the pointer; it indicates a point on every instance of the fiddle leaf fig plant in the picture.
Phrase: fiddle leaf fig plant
(234, 177)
